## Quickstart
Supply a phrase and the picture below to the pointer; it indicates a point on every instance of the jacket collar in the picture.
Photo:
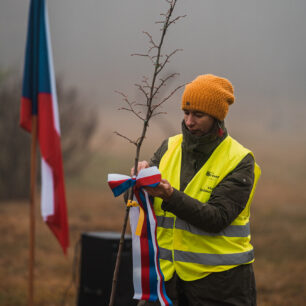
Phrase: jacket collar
(204, 144)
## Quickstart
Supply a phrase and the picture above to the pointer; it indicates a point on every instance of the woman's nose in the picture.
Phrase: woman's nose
(189, 120)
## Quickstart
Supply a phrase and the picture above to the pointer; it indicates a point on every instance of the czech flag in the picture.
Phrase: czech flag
(39, 99)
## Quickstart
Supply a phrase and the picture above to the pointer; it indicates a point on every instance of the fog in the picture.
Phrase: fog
(258, 45)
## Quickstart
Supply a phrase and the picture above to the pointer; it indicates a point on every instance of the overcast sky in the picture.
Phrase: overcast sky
(260, 46)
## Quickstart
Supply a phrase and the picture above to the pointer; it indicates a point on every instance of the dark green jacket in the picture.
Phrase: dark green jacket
(229, 197)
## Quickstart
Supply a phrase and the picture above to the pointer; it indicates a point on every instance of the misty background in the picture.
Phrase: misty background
(258, 45)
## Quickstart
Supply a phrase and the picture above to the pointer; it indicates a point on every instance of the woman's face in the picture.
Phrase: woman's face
(198, 123)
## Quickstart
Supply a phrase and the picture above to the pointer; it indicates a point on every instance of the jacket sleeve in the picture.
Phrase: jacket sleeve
(226, 202)
(155, 160)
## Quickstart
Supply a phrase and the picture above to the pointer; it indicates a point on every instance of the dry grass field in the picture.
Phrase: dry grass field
(278, 234)
(88, 211)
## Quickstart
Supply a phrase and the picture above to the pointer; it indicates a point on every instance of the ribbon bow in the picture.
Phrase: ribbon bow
(148, 278)
(149, 177)
(119, 183)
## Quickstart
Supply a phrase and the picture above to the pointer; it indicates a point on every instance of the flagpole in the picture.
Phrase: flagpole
(32, 212)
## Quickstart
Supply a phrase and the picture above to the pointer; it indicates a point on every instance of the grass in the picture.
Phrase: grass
(88, 211)
(278, 235)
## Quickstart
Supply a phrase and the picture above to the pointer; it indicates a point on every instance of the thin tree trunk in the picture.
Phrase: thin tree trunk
(150, 92)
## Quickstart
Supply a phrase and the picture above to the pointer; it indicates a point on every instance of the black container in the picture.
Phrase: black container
(98, 258)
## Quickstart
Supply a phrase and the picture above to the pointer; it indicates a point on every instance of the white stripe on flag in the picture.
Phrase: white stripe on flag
(47, 197)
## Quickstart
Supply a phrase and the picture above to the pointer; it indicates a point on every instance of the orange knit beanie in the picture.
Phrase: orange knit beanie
(209, 94)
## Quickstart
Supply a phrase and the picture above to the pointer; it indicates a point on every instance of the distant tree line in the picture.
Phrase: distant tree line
(78, 124)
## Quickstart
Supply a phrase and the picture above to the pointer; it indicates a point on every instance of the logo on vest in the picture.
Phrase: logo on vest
(207, 189)
(212, 175)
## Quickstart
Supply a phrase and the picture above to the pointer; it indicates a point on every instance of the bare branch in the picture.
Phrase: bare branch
(141, 88)
(141, 104)
(137, 114)
(159, 113)
(126, 138)
(163, 83)
(130, 104)
(145, 82)
(167, 98)
(151, 58)
(140, 54)
(152, 42)
(140, 139)
(167, 59)
(176, 19)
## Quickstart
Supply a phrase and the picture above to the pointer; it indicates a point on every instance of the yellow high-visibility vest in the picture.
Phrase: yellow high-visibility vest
(186, 249)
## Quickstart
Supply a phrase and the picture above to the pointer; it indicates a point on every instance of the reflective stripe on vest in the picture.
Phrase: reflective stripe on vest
(186, 249)
(230, 231)
(207, 259)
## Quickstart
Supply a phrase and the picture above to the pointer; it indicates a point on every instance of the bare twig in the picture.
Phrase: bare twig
(128, 139)
(168, 97)
(167, 59)
(176, 19)
(131, 106)
(163, 83)
(159, 113)
(132, 111)
(141, 88)
(151, 58)
(151, 41)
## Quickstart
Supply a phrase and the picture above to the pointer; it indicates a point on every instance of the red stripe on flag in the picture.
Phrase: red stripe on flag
(26, 114)
(50, 148)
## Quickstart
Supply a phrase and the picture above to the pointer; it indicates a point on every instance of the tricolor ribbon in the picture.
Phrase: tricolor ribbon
(148, 279)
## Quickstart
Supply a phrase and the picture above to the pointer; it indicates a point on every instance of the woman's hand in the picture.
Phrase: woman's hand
(164, 190)
(141, 165)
